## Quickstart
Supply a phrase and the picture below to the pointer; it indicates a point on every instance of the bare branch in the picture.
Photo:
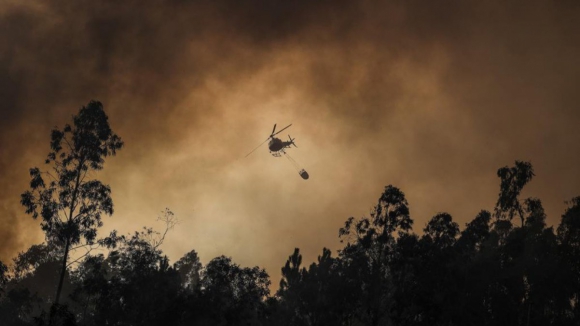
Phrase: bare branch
(50, 175)
(89, 250)
(81, 246)
(85, 172)
(68, 144)
(170, 221)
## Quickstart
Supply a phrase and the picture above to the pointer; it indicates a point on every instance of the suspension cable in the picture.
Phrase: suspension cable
(292, 161)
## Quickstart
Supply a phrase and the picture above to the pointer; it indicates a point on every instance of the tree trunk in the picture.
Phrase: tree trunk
(60, 283)
(62, 272)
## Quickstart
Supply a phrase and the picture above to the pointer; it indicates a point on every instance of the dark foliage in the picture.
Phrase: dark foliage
(490, 273)
(69, 202)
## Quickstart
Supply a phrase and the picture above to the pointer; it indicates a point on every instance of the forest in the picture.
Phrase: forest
(505, 267)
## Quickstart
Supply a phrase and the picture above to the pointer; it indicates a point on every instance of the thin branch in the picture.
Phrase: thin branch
(89, 250)
(59, 218)
(170, 222)
(74, 202)
(85, 172)
(57, 164)
(81, 246)
(50, 175)
(61, 210)
(69, 145)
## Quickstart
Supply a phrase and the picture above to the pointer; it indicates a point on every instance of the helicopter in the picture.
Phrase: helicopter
(278, 147)
(275, 144)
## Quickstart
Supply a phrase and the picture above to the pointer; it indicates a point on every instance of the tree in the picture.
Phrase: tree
(69, 202)
(474, 268)
(317, 296)
(438, 281)
(90, 287)
(233, 295)
(370, 248)
(441, 231)
(291, 291)
(16, 307)
(405, 268)
(291, 272)
(513, 181)
(137, 284)
(569, 228)
(29, 261)
(475, 234)
(189, 268)
(569, 239)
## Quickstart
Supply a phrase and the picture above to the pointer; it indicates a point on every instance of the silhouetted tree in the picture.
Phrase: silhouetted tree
(435, 281)
(189, 268)
(16, 307)
(569, 240)
(327, 294)
(491, 273)
(29, 261)
(405, 268)
(293, 309)
(134, 285)
(370, 248)
(233, 295)
(34, 274)
(474, 268)
(91, 281)
(475, 234)
(69, 203)
(513, 181)
(441, 231)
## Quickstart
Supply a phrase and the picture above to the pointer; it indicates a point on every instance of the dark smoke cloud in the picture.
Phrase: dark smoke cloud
(432, 97)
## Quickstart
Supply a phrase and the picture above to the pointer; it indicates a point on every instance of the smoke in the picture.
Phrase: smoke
(432, 97)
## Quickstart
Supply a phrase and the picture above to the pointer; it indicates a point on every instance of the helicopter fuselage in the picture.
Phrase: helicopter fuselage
(276, 145)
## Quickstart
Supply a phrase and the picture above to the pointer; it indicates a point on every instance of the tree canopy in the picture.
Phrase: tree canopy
(490, 272)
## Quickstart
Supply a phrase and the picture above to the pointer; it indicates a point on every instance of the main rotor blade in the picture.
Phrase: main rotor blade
(256, 147)
(281, 130)
(273, 130)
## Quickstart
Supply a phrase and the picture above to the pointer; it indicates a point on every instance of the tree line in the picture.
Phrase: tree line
(505, 267)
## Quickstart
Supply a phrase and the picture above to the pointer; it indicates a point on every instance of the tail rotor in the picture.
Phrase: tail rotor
(292, 141)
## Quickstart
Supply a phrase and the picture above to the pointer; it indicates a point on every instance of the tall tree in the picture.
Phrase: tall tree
(70, 203)
(569, 239)
(441, 231)
(189, 269)
(513, 180)
(474, 267)
(438, 281)
(137, 285)
(369, 250)
(233, 295)
(291, 291)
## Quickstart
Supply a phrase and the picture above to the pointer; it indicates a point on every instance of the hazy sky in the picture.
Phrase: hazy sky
(430, 96)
